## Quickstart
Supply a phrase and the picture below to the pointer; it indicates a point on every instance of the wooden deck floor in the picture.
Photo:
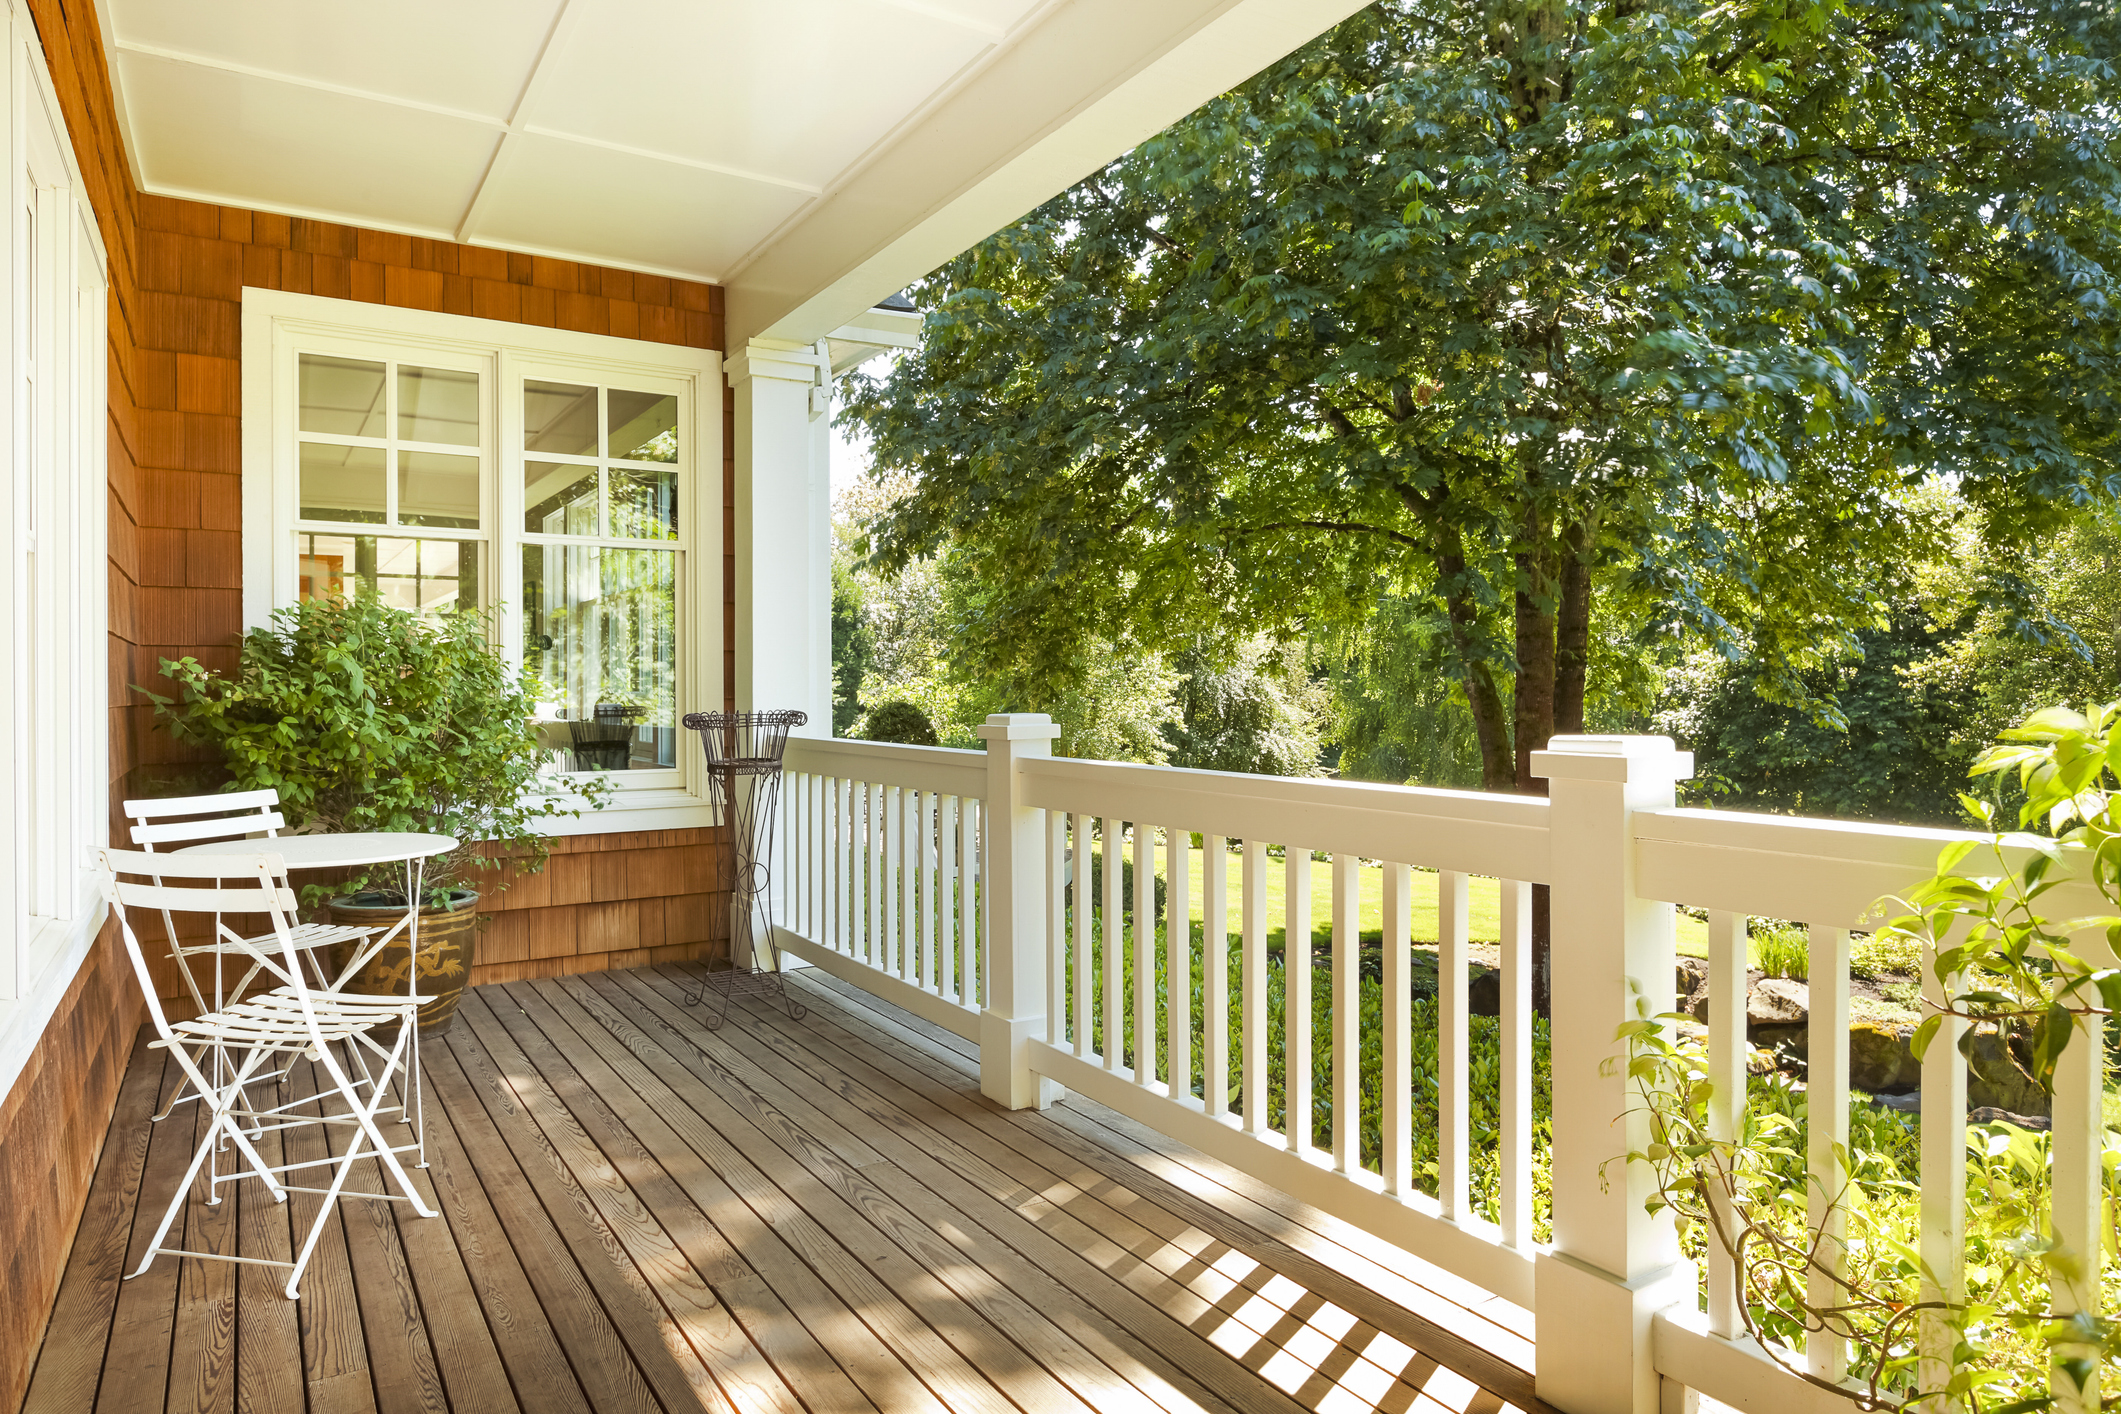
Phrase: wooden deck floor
(815, 1215)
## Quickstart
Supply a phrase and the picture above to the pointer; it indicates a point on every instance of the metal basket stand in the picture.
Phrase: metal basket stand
(744, 773)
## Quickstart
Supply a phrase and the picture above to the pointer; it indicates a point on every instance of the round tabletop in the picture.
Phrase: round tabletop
(348, 851)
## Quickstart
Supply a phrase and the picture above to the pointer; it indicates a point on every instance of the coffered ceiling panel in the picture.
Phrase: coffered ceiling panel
(244, 140)
(666, 135)
(666, 215)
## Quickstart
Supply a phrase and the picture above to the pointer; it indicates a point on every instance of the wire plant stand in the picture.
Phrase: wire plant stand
(744, 752)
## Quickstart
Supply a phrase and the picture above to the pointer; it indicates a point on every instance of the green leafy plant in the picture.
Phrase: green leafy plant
(1782, 951)
(363, 717)
(2004, 963)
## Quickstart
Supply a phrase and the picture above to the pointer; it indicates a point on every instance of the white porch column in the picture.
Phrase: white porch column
(1014, 883)
(782, 531)
(1612, 1266)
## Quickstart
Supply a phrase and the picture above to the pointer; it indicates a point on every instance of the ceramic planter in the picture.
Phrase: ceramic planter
(447, 948)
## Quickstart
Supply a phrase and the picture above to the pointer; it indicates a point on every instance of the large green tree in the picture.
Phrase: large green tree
(1477, 303)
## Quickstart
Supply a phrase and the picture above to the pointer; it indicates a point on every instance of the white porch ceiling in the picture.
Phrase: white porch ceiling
(839, 147)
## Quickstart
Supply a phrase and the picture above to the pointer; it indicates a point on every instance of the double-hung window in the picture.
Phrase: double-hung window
(568, 483)
(54, 625)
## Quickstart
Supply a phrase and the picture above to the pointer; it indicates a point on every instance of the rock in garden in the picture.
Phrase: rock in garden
(1777, 1001)
(1879, 1059)
(1688, 978)
(1484, 995)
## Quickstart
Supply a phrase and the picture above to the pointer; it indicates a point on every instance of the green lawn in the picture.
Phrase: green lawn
(1485, 925)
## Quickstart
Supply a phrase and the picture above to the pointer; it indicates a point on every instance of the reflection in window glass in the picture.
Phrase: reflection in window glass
(438, 405)
(559, 419)
(435, 488)
(420, 576)
(644, 504)
(600, 630)
(341, 483)
(644, 426)
(341, 396)
(559, 498)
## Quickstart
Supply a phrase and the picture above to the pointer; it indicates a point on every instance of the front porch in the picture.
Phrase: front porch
(821, 1214)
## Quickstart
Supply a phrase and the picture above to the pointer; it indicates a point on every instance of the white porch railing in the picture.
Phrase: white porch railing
(942, 881)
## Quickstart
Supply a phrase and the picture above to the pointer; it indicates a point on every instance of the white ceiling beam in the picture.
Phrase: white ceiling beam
(1092, 79)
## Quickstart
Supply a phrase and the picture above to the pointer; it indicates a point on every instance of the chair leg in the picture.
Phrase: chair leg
(222, 1122)
(366, 1130)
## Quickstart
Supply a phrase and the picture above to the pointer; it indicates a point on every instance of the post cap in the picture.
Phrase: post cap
(1626, 759)
(1019, 726)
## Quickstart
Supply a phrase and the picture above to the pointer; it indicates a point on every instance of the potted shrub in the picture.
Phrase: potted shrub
(364, 717)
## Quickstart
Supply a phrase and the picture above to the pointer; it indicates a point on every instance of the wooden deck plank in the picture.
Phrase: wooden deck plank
(906, 1308)
(1077, 1335)
(747, 1378)
(659, 1347)
(526, 1350)
(1170, 1190)
(137, 1380)
(563, 1293)
(625, 1129)
(70, 1363)
(639, 1214)
(335, 1372)
(1008, 1340)
(268, 1325)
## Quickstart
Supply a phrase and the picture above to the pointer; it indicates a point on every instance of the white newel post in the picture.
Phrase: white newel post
(782, 535)
(1612, 1267)
(1014, 879)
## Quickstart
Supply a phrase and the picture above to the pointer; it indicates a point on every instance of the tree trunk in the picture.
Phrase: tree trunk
(1572, 647)
(1497, 766)
(1536, 700)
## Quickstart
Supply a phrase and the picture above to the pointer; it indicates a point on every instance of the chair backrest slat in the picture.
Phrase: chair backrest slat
(232, 816)
(243, 899)
(233, 827)
(200, 804)
(260, 865)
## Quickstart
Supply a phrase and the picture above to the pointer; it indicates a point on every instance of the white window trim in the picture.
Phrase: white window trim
(272, 318)
(57, 796)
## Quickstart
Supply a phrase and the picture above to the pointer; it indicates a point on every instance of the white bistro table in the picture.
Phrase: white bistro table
(360, 850)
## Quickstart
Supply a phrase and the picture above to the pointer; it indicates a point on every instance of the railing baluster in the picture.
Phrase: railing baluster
(2079, 1127)
(1398, 1076)
(946, 896)
(1109, 927)
(856, 846)
(924, 841)
(1215, 975)
(1454, 1076)
(1826, 1132)
(1727, 1104)
(1079, 892)
(1943, 1231)
(970, 936)
(897, 895)
(1144, 954)
(1347, 1014)
(1056, 929)
(1296, 999)
(1178, 950)
(1516, 1108)
(1252, 978)
(911, 850)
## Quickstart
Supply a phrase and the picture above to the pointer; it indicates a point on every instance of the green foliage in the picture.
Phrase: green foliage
(1251, 708)
(901, 722)
(1781, 951)
(366, 718)
(1891, 756)
(1399, 714)
(850, 644)
(1459, 301)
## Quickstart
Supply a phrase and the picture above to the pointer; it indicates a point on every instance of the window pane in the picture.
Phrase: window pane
(600, 630)
(559, 418)
(435, 488)
(644, 426)
(421, 576)
(438, 405)
(644, 504)
(559, 498)
(341, 483)
(342, 396)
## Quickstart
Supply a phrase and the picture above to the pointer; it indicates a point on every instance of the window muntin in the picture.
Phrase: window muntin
(551, 486)
(602, 463)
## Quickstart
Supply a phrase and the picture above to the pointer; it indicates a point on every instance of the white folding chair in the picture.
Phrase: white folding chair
(197, 819)
(257, 1034)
